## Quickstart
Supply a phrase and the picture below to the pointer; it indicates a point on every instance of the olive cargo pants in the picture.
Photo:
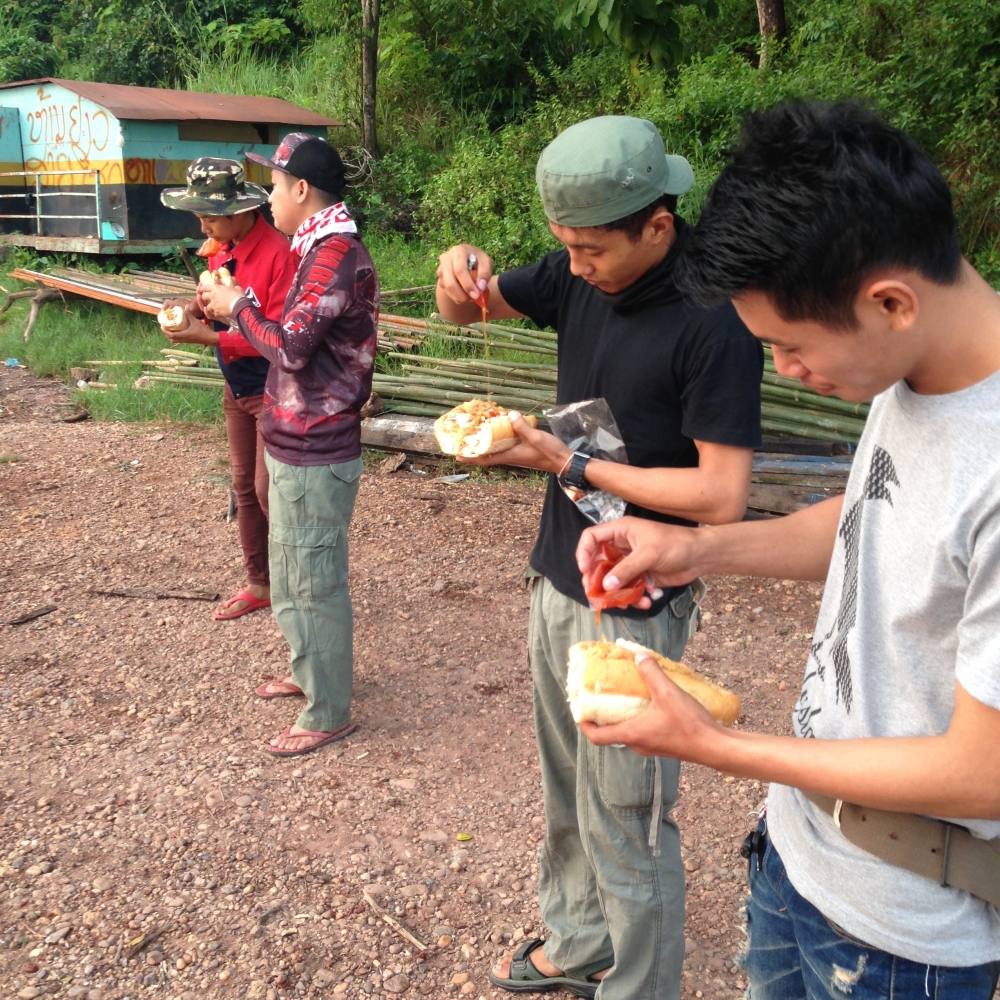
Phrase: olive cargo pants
(309, 512)
(604, 888)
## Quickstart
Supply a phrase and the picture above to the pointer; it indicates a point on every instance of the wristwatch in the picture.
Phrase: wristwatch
(572, 476)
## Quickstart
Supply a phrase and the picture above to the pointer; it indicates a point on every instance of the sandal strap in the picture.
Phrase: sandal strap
(522, 969)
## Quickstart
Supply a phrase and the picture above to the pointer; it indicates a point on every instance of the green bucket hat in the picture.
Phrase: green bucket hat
(215, 186)
(603, 169)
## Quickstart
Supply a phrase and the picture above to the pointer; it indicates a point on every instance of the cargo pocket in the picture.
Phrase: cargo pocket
(288, 480)
(346, 481)
(624, 778)
(307, 563)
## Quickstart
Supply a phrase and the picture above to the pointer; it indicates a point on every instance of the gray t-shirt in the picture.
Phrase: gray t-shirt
(912, 604)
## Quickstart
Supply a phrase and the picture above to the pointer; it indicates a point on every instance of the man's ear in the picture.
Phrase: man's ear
(301, 191)
(893, 300)
(660, 225)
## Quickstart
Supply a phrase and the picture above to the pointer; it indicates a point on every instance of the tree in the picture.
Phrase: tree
(648, 29)
(370, 16)
(771, 15)
(645, 29)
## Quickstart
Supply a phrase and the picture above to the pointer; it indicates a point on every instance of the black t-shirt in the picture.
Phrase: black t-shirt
(671, 372)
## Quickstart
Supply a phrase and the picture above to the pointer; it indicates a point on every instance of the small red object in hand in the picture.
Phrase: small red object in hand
(600, 599)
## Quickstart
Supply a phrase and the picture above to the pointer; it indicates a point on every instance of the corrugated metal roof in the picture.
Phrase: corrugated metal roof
(154, 104)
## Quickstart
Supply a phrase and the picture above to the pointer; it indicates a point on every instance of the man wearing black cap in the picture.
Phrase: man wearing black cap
(321, 355)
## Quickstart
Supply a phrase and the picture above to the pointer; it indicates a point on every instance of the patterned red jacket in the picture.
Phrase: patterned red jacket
(321, 353)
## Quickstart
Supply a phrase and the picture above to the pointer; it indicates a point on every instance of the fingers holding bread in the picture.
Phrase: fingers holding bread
(605, 686)
(220, 276)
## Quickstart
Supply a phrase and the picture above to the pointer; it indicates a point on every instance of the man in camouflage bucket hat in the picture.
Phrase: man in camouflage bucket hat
(260, 260)
(215, 186)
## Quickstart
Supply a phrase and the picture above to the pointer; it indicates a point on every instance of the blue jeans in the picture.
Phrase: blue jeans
(795, 953)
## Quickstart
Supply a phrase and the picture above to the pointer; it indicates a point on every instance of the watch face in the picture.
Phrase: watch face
(574, 475)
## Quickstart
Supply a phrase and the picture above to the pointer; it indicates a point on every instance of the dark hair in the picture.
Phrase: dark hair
(632, 224)
(814, 199)
(327, 198)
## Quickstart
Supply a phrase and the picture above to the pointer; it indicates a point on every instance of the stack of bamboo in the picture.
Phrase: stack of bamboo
(517, 368)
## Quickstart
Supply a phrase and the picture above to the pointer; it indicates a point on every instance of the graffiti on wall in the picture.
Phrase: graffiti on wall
(70, 133)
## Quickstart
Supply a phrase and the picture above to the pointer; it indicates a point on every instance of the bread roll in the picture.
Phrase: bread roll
(474, 428)
(220, 276)
(605, 687)
(172, 318)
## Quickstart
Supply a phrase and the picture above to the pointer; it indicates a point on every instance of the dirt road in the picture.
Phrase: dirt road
(148, 846)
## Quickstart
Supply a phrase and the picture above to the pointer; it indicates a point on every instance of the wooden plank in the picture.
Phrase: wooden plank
(810, 465)
(144, 305)
(784, 499)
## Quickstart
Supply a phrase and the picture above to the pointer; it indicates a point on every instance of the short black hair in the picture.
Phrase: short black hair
(632, 224)
(816, 197)
(327, 198)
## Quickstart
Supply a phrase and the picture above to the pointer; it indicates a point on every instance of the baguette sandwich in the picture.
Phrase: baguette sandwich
(605, 687)
(474, 428)
(172, 318)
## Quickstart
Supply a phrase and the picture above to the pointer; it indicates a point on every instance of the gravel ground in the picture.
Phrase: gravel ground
(148, 845)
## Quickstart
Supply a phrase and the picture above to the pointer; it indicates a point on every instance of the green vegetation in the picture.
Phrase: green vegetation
(83, 332)
(468, 94)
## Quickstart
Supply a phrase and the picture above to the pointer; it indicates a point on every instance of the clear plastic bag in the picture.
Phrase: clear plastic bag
(589, 426)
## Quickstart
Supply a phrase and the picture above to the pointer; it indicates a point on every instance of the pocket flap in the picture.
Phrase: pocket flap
(313, 537)
(347, 471)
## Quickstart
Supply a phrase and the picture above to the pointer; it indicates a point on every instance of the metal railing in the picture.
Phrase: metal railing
(38, 215)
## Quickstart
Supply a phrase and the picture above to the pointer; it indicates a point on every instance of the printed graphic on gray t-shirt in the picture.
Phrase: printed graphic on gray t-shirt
(911, 606)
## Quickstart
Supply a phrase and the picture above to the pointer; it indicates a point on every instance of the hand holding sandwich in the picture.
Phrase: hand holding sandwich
(534, 449)
(674, 724)
(218, 300)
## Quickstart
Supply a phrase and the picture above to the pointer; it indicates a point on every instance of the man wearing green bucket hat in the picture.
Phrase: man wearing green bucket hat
(682, 383)
(260, 259)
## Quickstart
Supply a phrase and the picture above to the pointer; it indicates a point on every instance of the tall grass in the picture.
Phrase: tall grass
(81, 331)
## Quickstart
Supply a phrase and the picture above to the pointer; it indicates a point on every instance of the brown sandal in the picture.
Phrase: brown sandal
(287, 689)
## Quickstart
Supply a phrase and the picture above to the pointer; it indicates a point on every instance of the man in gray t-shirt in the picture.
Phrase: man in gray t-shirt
(833, 235)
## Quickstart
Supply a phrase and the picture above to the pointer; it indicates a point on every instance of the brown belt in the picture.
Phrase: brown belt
(944, 852)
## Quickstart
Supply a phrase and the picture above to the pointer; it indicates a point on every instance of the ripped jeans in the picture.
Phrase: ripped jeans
(795, 953)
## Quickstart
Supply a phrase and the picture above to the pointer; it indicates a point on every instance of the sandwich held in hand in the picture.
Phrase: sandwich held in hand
(604, 685)
(475, 428)
(220, 276)
(600, 599)
(172, 318)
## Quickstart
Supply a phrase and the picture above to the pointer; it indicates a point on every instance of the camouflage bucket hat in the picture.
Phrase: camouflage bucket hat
(215, 187)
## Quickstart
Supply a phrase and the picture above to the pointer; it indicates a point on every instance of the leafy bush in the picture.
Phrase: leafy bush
(486, 195)
(931, 67)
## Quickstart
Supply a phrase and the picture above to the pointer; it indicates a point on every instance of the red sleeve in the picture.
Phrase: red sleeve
(232, 343)
(282, 274)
